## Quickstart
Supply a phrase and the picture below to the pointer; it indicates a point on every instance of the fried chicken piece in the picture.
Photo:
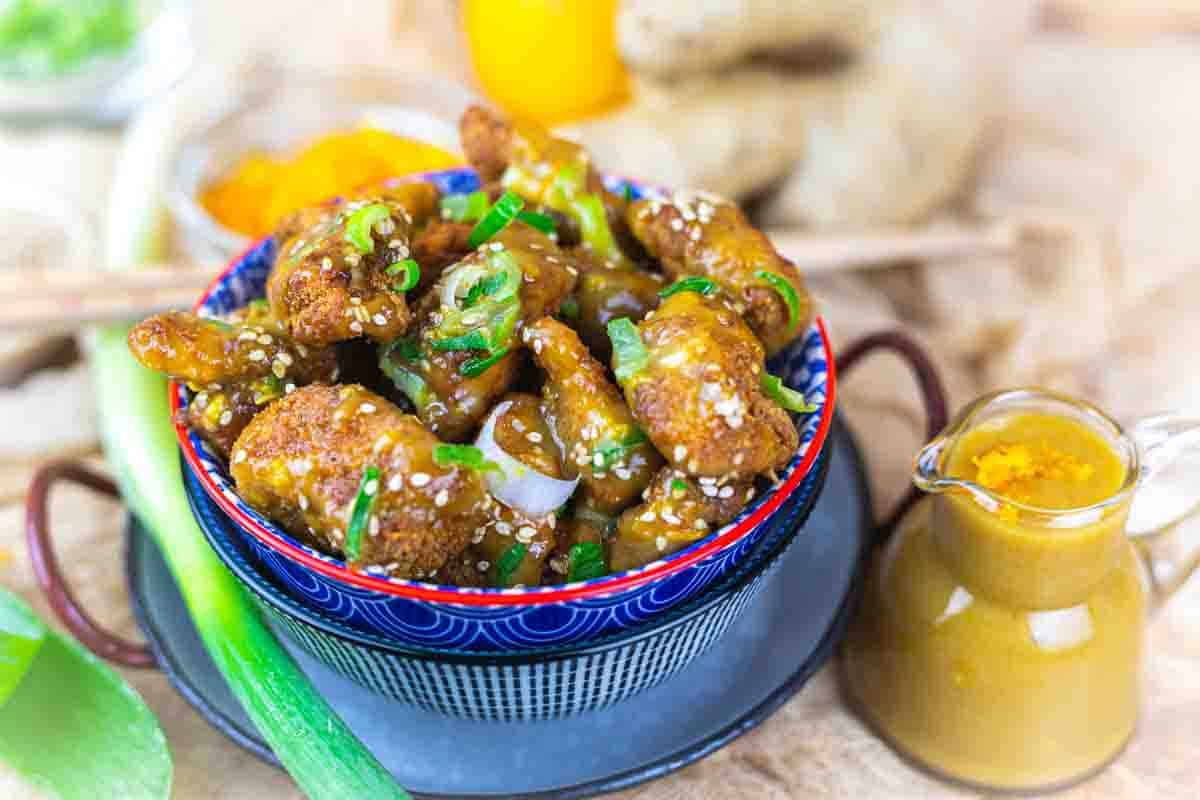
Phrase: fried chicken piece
(604, 446)
(303, 460)
(435, 248)
(605, 294)
(549, 172)
(330, 281)
(701, 234)
(466, 351)
(678, 511)
(698, 393)
(236, 369)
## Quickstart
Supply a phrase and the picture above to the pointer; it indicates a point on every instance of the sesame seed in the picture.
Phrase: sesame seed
(370, 487)
(671, 518)
(442, 498)
(680, 452)
(419, 479)
(373, 525)
(738, 459)
(483, 566)
(379, 319)
(525, 534)
(496, 247)
(266, 338)
(648, 516)
(289, 388)
(395, 483)
(239, 456)
(503, 528)
(226, 418)
(700, 525)
(286, 358)
(356, 326)
(693, 465)
(709, 491)
(355, 300)
(278, 368)
(326, 264)
(749, 494)
(302, 350)
(726, 492)
(366, 408)
(257, 355)
(661, 543)
(303, 503)
(518, 426)
(534, 437)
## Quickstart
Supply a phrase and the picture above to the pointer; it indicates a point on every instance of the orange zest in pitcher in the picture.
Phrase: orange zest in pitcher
(1011, 470)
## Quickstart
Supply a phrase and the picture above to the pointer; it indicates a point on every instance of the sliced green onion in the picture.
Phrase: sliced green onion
(585, 561)
(259, 304)
(312, 742)
(412, 274)
(406, 349)
(463, 455)
(788, 292)
(543, 222)
(695, 283)
(589, 211)
(627, 193)
(474, 367)
(411, 384)
(569, 309)
(497, 219)
(475, 340)
(364, 501)
(360, 224)
(508, 563)
(486, 287)
(785, 396)
(465, 207)
(266, 389)
(678, 485)
(608, 452)
(629, 354)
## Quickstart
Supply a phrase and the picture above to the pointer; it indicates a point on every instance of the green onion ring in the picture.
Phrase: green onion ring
(785, 396)
(412, 274)
(474, 367)
(508, 563)
(695, 283)
(360, 224)
(629, 354)
(585, 561)
(497, 219)
(788, 292)
(364, 501)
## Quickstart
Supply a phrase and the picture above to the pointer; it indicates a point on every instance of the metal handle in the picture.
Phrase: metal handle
(933, 396)
(103, 643)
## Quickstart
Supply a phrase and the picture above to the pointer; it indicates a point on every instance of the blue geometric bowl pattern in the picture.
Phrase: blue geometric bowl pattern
(532, 684)
(507, 619)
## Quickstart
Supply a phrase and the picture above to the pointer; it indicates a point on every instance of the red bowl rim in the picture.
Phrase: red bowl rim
(510, 597)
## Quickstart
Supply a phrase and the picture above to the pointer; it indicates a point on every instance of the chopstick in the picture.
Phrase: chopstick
(65, 299)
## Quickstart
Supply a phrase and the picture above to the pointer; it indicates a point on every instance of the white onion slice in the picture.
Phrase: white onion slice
(518, 485)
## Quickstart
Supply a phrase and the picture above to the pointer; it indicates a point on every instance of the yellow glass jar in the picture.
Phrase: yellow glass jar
(1000, 642)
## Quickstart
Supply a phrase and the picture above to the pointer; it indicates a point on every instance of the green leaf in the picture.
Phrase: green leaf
(72, 725)
(21, 636)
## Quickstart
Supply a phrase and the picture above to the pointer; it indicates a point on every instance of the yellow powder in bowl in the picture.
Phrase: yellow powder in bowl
(263, 188)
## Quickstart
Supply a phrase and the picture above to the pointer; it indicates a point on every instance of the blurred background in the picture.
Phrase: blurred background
(1013, 183)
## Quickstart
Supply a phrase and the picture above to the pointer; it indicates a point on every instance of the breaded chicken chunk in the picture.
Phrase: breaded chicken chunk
(701, 234)
(678, 510)
(331, 281)
(466, 352)
(692, 373)
(345, 468)
(604, 445)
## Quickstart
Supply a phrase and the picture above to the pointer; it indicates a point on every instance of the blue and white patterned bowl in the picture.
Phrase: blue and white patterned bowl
(507, 619)
(541, 683)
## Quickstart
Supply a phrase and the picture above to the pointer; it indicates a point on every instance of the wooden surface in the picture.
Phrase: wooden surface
(1094, 135)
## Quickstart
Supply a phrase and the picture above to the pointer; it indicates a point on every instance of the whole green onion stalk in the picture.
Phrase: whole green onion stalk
(311, 741)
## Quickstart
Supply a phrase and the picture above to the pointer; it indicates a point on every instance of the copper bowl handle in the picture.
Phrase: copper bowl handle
(103, 643)
(933, 396)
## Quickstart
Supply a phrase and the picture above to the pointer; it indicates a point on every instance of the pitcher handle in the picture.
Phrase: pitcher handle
(1167, 495)
(933, 396)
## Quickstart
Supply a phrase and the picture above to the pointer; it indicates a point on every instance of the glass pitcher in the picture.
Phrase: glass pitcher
(1000, 644)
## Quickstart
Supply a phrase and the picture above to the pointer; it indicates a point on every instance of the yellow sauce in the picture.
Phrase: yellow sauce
(264, 187)
(1000, 646)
